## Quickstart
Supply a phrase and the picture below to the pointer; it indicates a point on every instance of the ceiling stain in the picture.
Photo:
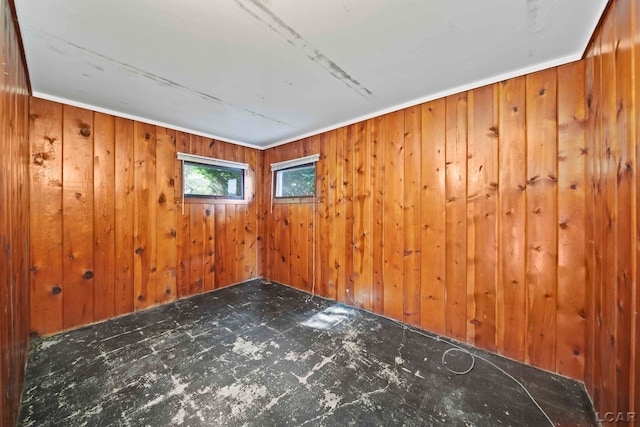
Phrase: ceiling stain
(153, 77)
(277, 25)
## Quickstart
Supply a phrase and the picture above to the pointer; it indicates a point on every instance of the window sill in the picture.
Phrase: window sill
(211, 201)
(295, 200)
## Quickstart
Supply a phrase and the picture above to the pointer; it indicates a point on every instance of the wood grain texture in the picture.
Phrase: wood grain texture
(459, 201)
(612, 88)
(432, 219)
(482, 223)
(542, 249)
(77, 206)
(571, 305)
(104, 216)
(17, 215)
(110, 237)
(46, 199)
(511, 291)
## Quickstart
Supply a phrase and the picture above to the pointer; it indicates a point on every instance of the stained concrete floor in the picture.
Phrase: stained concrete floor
(261, 354)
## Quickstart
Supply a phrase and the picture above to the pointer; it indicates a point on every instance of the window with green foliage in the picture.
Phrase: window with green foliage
(299, 181)
(202, 180)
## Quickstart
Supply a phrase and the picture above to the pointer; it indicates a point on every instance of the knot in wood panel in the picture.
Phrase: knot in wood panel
(84, 131)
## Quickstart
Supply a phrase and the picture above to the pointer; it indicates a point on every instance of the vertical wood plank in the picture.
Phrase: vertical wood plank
(183, 145)
(339, 224)
(456, 217)
(432, 213)
(166, 215)
(251, 226)
(77, 206)
(377, 126)
(393, 232)
(348, 210)
(625, 165)
(323, 267)
(209, 272)
(598, 223)
(196, 248)
(511, 297)
(610, 219)
(362, 217)
(124, 216)
(220, 234)
(541, 212)
(411, 220)
(144, 227)
(104, 216)
(635, 397)
(333, 266)
(589, 231)
(571, 221)
(482, 183)
(45, 134)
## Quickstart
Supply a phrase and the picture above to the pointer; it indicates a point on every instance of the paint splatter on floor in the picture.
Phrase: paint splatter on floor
(260, 354)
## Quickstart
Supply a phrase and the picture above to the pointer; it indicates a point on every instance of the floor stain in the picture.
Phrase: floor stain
(261, 354)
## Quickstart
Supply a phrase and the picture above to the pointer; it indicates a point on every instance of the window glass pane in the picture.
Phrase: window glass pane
(296, 182)
(212, 181)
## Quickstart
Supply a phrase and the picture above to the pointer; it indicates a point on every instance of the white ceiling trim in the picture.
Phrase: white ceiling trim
(48, 97)
(432, 97)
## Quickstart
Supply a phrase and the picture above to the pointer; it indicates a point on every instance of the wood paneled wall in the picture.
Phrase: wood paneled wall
(464, 216)
(107, 233)
(613, 89)
(14, 219)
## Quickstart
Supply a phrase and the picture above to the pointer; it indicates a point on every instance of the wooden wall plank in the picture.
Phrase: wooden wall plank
(332, 267)
(348, 211)
(183, 145)
(17, 216)
(124, 216)
(598, 223)
(392, 273)
(104, 216)
(482, 225)
(411, 220)
(320, 240)
(571, 306)
(377, 126)
(590, 223)
(609, 226)
(624, 167)
(511, 291)
(77, 211)
(339, 224)
(456, 217)
(144, 227)
(251, 269)
(166, 215)
(362, 217)
(542, 211)
(635, 374)
(432, 212)
(46, 217)
(612, 63)
(133, 198)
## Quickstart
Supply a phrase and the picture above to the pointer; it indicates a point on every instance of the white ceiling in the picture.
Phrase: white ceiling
(265, 72)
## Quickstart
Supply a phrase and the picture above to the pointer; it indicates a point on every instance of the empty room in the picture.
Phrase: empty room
(304, 213)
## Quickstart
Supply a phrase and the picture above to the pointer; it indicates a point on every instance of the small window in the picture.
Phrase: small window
(208, 178)
(299, 181)
(202, 180)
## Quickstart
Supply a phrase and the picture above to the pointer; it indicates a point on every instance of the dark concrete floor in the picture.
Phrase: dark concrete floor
(260, 354)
